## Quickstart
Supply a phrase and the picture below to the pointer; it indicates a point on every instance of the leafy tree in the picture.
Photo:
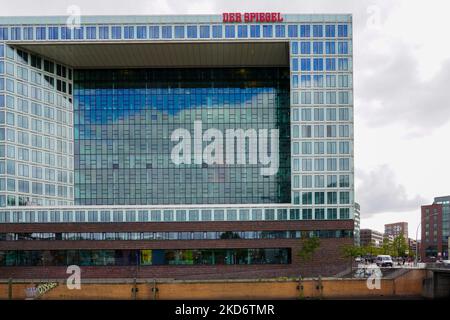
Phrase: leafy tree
(310, 245)
(351, 252)
(399, 246)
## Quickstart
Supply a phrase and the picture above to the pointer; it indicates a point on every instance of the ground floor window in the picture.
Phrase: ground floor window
(145, 257)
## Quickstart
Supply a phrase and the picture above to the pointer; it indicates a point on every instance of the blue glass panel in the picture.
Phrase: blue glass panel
(292, 31)
(255, 31)
(128, 32)
(3, 33)
(66, 33)
(330, 47)
(166, 32)
(28, 33)
(217, 32)
(116, 32)
(91, 33)
(179, 32)
(141, 32)
(295, 64)
(305, 31)
(305, 47)
(280, 31)
(342, 30)
(78, 33)
(230, 31)
(330, 31)
(103, 32)
(41, 33)
(16, 33)
(318, 47)
(343, 47)
(204, 32)
(192, 32)
(294, 46)
(242, 31)
(317, 31)
(153, 32)
(267, 31)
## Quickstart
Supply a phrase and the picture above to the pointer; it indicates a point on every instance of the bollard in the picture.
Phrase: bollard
(154, 289)
(10, 289)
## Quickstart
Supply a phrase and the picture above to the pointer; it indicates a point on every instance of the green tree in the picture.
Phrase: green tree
(351, 252)
(387, 247)
(310, 245)
(399, 246)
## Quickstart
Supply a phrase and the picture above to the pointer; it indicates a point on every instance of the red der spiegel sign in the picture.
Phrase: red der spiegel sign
(252, 17)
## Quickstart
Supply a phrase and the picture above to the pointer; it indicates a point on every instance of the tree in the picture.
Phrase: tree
(351, 252)
(399, 246)
(310, 245)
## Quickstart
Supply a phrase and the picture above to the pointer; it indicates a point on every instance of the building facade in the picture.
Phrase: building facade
(357, 228)
(371, 237)
(147, 144)
(435, 229)
(397, 229)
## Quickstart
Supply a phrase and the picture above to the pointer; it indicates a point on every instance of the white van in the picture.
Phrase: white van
(384, 261)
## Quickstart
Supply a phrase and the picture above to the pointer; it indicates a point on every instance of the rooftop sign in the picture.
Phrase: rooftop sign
(252, 17)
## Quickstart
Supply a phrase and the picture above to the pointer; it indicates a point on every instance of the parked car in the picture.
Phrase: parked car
(359, 259)
(384, 261)
(446, 262)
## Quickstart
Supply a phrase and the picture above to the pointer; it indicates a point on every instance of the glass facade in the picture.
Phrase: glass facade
(115, 148)
(145, 257)
(188, 235)
(123, 125)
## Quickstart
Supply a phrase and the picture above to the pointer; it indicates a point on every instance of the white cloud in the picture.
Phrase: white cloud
(378, 191)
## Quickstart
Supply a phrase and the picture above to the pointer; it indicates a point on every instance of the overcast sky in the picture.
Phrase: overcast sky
(402, 89)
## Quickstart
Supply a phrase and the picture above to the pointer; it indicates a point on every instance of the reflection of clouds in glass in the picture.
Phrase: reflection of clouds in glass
(170, 102)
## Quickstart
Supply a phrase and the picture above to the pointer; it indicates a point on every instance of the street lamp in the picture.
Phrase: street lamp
(417, 230)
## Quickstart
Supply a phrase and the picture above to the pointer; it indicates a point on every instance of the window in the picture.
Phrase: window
(204, 31)
(318, 47)
(103, 32)
(330, 47)
(332, 214)
(242, 31)
(331, 64)
(166, 32)
(153, 32)
(317, 31)
(28, 33)
(342, 30)
(128, 32)
(305, 31)
(192, 32)
(255, 31)
(230, 31)
(91, 33)
(78, 33)
(305, 64)
(217, 31)
(3, 33)
(141, 32)
(307, 214)
(305, 47)
(280, 31)
(292, 31)
(15, 33)
(342, 48)
(332, 197)
(330, 31)
(116, 32)
(40, 33)
(267, 31)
